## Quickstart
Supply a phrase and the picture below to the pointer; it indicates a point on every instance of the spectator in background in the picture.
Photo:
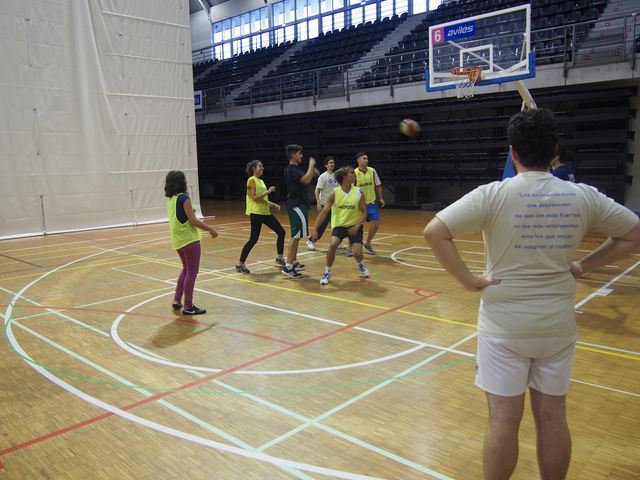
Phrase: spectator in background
(558, 165)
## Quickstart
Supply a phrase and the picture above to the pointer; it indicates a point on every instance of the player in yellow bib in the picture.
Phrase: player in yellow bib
(259, 213)
(348, 213)
(368, 181)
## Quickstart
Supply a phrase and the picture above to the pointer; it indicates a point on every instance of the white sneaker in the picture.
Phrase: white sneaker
(326, 278)
(363, 270)
(349, 252)
(342, 247)
(311, 246)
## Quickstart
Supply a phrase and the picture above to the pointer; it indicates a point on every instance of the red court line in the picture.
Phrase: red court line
(206, 379)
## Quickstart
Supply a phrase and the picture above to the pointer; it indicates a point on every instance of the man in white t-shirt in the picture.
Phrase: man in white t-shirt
(532, 225)
(325, 186)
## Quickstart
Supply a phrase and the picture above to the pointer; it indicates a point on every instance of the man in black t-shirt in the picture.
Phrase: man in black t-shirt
(297, 181)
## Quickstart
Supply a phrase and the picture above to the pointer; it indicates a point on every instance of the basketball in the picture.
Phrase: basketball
(409, 128)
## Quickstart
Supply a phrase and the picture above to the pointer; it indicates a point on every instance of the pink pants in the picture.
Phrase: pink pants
(190, 256)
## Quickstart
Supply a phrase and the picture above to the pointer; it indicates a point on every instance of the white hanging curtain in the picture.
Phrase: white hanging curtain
(97, 106)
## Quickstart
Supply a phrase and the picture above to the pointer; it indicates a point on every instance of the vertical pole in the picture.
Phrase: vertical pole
(133, 210)
(44, 222)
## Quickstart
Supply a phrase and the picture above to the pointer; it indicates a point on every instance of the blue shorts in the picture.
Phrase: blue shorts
(372, 212)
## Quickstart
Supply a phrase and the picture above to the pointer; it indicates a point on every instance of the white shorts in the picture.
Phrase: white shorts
(506, 367)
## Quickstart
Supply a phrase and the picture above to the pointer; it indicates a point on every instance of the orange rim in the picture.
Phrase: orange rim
(472, 72)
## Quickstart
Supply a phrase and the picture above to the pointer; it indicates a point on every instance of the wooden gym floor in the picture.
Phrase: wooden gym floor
(281, 378)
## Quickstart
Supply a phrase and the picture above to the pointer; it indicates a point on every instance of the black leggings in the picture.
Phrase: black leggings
(256, 224)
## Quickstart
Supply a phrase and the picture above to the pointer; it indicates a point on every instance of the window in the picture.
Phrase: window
(265, 39)
(402, 6)
(237, 30)
(218, 53)
(302, 31)
(370, 12)
(356, 16)
(217, 32)
(278, 13)
(290, 33)
(236, 47)
(327, 23)
(313, 28)
(434, 4)
(246, 23)
(246, 44)
(419, 6)
(226, 50)
(226, 29)
(325, 6)
(338, 21)
(255, 21)
(386, 8)
(264, 18)
(279, 33)
(289, 11)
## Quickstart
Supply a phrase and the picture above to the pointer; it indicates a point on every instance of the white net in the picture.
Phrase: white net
(466, 78)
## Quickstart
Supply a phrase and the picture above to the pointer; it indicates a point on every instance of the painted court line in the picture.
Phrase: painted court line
(321, 426)
(123, 412)
(146, 393)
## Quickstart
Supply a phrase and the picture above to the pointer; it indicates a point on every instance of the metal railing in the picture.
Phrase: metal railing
(554, 45)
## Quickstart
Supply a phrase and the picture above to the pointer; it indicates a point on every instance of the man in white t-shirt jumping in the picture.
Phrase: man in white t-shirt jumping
(532, 225)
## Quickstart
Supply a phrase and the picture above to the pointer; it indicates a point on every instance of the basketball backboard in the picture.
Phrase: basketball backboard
(498, 42)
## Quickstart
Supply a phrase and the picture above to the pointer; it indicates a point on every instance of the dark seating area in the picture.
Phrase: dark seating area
(462, 144)
(239, 68)
(329, 51)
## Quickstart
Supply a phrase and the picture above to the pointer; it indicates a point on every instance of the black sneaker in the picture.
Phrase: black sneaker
(280, 261)
(176, 305)
(298, 266)
(291, 272)
(194, 310)
(241, 268)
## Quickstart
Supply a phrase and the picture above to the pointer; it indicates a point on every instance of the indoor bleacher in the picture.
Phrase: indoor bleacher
(462, 144)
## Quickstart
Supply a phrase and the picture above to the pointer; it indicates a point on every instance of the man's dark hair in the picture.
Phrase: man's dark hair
(360, 154)
(175, 183)
(533, 135)
(327, 159)
(291, 149)
(341, 173)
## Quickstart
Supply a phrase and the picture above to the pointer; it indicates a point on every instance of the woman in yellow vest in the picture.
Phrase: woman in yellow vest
(185, 239)
(258, 205)
(348, 213)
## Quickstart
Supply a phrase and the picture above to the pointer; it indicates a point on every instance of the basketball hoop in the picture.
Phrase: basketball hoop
(466, 77)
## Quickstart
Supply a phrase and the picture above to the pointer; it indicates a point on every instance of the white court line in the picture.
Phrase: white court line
(598, 292)
(394, 254)
(146, 393)
(141, 421)
(624, 392)
(365, 394)
(307, 420)
(124, 345)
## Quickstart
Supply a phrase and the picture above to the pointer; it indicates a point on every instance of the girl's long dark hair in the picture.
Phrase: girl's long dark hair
(175, 183)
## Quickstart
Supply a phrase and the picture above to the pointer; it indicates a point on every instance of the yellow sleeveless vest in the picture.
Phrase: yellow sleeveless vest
(364, 181)
(345, 211)
(260, 207)
(182, 234)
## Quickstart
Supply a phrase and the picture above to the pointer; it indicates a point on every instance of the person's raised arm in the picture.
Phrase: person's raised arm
(312, 171)
(612, 249)
(193, 220)
(441, 241)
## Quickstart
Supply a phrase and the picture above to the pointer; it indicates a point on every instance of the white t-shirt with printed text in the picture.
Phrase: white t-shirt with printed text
(532, 225)
(327, 185)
